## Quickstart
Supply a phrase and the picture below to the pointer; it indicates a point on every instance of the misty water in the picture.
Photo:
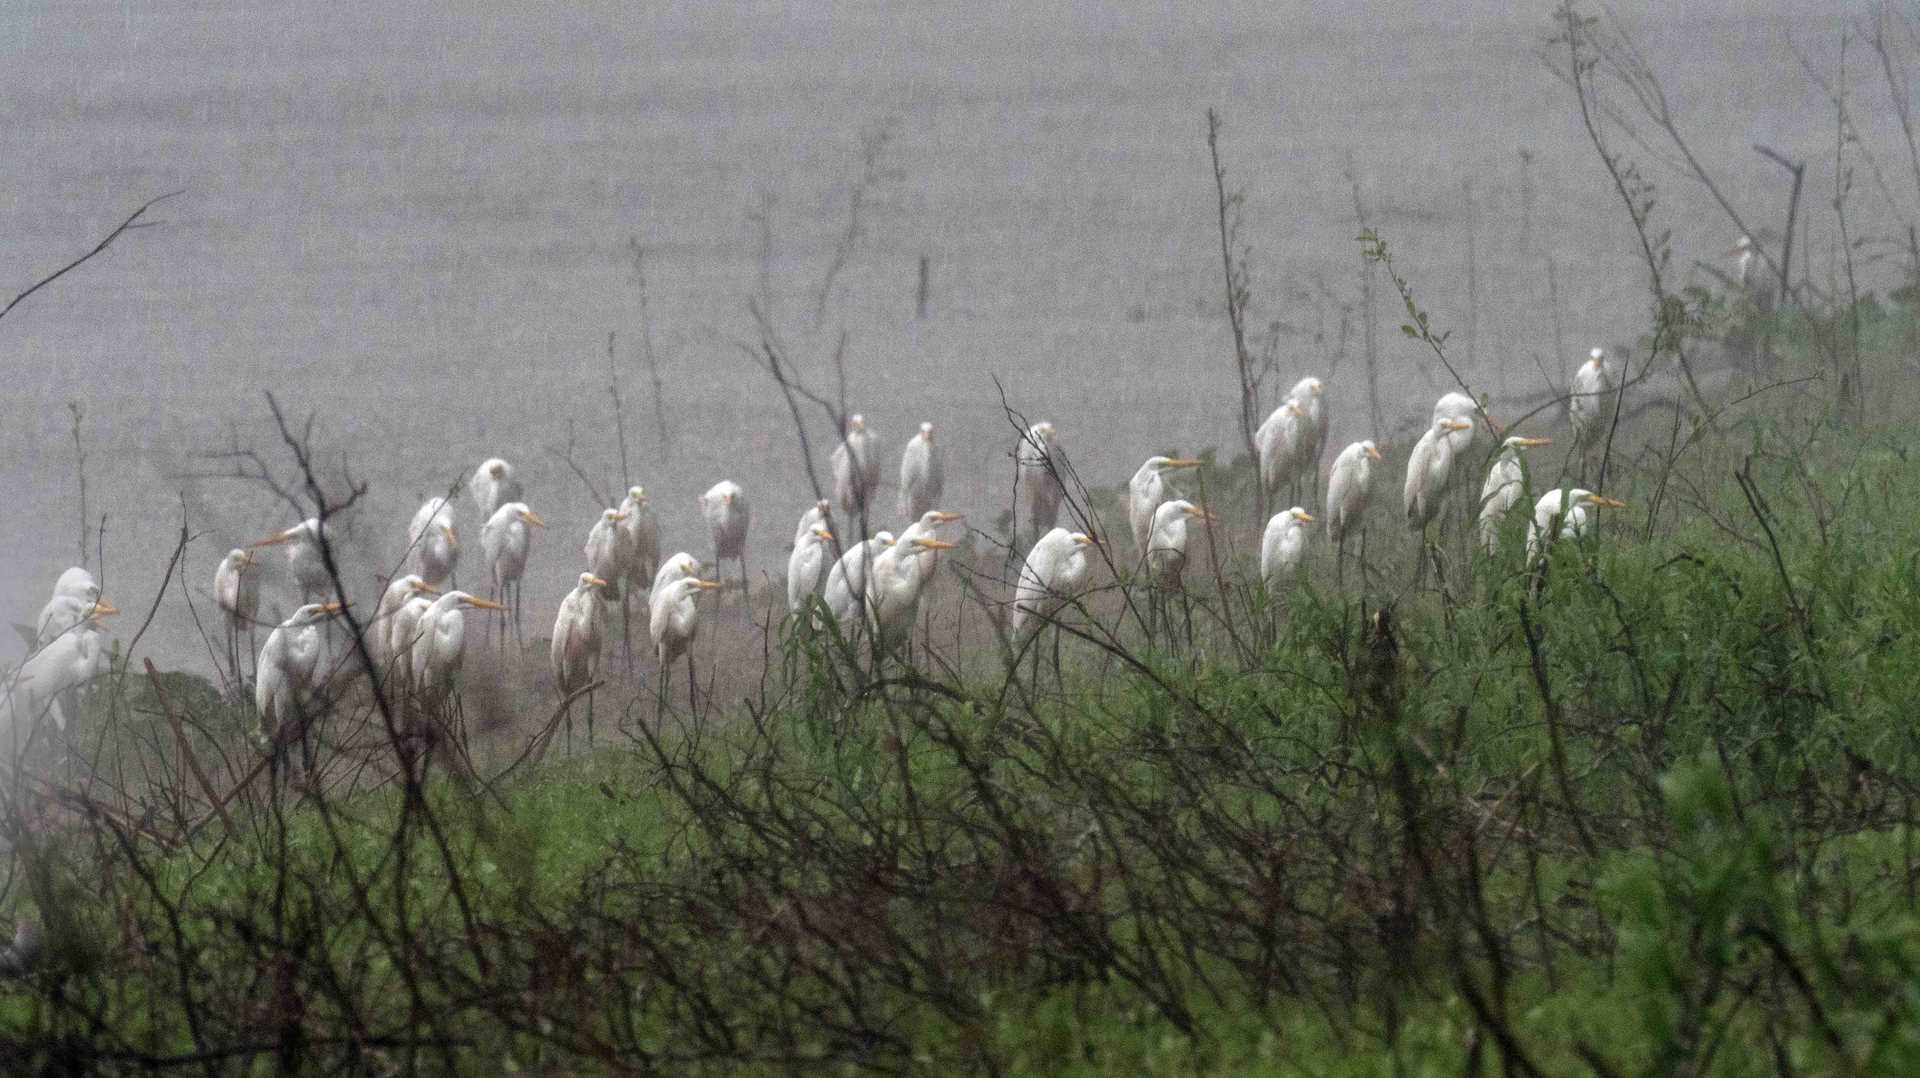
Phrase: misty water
(417, 229)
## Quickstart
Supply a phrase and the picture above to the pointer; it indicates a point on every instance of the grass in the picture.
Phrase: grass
(1668, 826)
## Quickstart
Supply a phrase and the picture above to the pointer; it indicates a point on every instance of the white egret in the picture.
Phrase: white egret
(236, 591)
(441, 648)
(432, 540)
(1430, 471)
(1283, 547)
(506, 539)
(1042, 468)
(577, 636)
(1147, 491)
(1508, 483)
(819, 516)
(1566, 508)
(725, 507)
(45, 683)
(1349, 490)
(640, 557)
(856, 468)
(1311, 392)
(605, 552)
(402, 634)
(846, 585)
(289, 676)
(1282, 440)
(675, 567)
(895, 585)
(1587, 399)
(494, 485)
(807, 567)
(304, 560)
(674, 622)
(1166, 552)
(1053, 574)
(76, 598)
(923, 474)
(380, 629)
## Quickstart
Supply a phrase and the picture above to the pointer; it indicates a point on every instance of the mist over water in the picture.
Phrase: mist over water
(416, 227)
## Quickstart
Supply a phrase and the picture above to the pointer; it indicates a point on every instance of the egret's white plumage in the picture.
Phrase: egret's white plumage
(76, 598)
(605, 551)
(807, 567)
(1166, 545)
(675, 619)
(675, 567)
(725, 507)
(402, 634)
(440, 650)
(1350, 488)
(304, 561)
(1588, 397)
(1430, 470)
(506, 540)
(1460, 407)
(1566, 508)
(494, 485)
(895, 584)
(819, 516)
(1054, 572)
(1283, 547)
(1041, 463)
(236, 589)
(578, 633)
(43, 684)
(923, 475)
(1311, 393)
(847, 580)
(432, 539)
(380, 630)
(856, 468)
(1506, 486)
(1282, 440)
(1148, 490)
(640, 536)
(290, 671)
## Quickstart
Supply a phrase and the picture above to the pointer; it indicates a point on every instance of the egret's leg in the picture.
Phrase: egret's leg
(693, 682)
(626, 622)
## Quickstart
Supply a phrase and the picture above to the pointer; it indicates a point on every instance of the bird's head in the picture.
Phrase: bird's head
(102, 608)
(612, 516)
(461, 598)
(1597, 357)
(1293, 407)
(1301, 515)
(1043, 430)
(637, 495)
(883, 539)
(314, 613)
(588, 580)
(921, 544)
(1598, 501)
(1526, 443)
(822, 534)
(1172, 464)
(935, 517)
(1371, 451)
(856, 422)
(239, 558)
(452, 536)
(1197, 513)
(497, 469)
(420, 587)
(531, 517)
(1449, 424)
(1083, 539)
(926, 431)
(1745, 245)
(278, 538)
(1312, 387)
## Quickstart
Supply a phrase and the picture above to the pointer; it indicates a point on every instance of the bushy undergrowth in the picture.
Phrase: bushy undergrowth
(1648, 810)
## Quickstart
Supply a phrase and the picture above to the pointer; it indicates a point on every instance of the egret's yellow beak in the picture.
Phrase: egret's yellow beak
(941, 516)
(1606, 503)
(483, 604)
(1200, 514)
(616, 517)
(1455, 424)
(426, 587)
(1084, 539)
(709, 585)
(333, 608)
(1303, 516)
(1372, 452)
(452, 536)
(533, 518)
(1185, 462)
(275, 540)
(1534, 442)
(101, 607)
(825, 535)
(596, 582)
(932, 544)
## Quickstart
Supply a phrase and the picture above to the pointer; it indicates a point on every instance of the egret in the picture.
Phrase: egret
(640, 558)
(1166, 551)
(819, 516)
(494, 485)
(846, 585)
(1283, 547)
(380, 629)
(807, 567)
(1349, 489)
(44, 684)
(76, 598)
(1282, 440)
(1311, 392)
(1568, 508)
(1041, 465)
(577, 635)
(1429, 476)
(441, 650)
(432, 541)
(675, 567)
(894, 585)
(304, 559)
(1587, 399)
(236, 591)
(1748, 255)
(1147, 491)
(1054, 572)
(403, 634)
(1508, 482)
(286, 688)
(1464, 408)
(606, 554)
(856, 469)
(674, 622)
(725, 507)
(922, 474)
(506, 539)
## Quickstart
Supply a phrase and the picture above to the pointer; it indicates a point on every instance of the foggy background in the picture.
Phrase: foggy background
(416, 226)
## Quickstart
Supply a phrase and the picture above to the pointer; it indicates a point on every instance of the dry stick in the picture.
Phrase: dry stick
(186, 751)
(1370, 342)
(1898, 93)
(619, 415)
(80, 470)
(1854, 397)
(1473, 285)
(1235, 277)
(132, 222)
(646, 348)
(1556, 746)
(1799, 170)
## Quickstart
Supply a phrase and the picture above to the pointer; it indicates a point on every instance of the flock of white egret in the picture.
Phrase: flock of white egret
(418, 636)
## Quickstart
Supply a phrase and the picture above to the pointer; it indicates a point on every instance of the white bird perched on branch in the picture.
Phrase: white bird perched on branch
(432, 539)
(1166, 546)
(1147, 491)
(236, 591)
(76, 598)
(577, 635)
(441, 648)
(1587, 399)
(674, 623)
(1283, 547)
(605, 552)
(506, 539)
(1430, 470)
(895, 584)
(1506, 486)
(807, 566)
(494, 485)
(1350, 489)
(922, 474)
(289, 677)
(1466, 409)
(1568, 508)
(1281, 440)
(380, 629)
(725, 507)
(304, 560)
(1042, 466)
(1052, 575)
(43, 683)
(856, 468)
(846, 585)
